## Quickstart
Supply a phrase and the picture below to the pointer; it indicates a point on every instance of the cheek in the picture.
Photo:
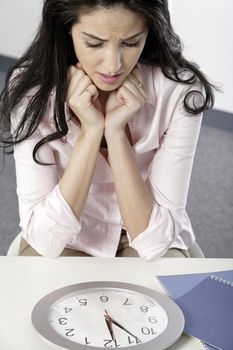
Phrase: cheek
(132, 58)
(89, 63)
(84, 57)
(81, 52)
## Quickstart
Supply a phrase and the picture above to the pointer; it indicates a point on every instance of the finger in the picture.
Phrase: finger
(70, 71)
(137, 87)
(128, 98)
(73, 76)
(131, 86)
(79, 66)
(79, 81)
(81, 86)
(92, 91)
(137, 74)
(83, 82)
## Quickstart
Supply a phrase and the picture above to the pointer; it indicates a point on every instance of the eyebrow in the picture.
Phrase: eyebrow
(95, 37)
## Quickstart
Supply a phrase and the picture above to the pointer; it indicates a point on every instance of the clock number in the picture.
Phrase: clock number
(148, 331)
(152, 319)
(133, 340)
(107, 343)
(83, 302)
(62, 321)
(126, 302)
(144, 308)
(104, 299)
(69, 332)
(86, 341)
(67, 309)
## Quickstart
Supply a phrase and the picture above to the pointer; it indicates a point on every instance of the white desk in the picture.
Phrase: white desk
(25, 280)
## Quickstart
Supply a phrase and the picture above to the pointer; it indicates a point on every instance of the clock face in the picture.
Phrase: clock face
(134, 318)
(108, 315)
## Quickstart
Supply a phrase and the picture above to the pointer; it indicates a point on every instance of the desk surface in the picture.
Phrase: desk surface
(25, 280)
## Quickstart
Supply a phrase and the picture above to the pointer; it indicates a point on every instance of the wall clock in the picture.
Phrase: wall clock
(101, 315)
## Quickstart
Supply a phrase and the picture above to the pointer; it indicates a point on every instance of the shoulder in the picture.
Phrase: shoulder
(27, 103)
(31, 92)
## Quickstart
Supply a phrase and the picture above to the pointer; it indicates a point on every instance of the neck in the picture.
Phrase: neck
(103, 97)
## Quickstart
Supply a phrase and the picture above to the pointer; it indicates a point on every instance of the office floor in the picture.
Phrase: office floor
(210, 201)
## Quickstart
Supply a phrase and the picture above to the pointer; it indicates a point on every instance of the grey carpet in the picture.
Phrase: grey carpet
(210, 201)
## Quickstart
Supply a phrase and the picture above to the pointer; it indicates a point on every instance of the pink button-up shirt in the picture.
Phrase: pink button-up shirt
(164, 142)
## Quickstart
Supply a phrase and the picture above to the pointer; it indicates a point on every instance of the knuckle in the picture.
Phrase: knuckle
(76, 103)
(71, 101)
(93, 88)
(87, 80)
(71, 70)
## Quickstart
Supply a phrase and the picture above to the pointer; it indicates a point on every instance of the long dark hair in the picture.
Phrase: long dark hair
(44, 65)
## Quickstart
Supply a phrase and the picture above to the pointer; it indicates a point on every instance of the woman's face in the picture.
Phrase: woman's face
(109, 42)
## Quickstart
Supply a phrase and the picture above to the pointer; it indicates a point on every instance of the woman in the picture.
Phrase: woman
(105, 114)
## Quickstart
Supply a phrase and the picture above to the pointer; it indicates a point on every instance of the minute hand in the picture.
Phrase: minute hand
(111, 332)
(123, 328)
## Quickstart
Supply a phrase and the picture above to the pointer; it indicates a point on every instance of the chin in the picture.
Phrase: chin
(109, 88)
(106, 88)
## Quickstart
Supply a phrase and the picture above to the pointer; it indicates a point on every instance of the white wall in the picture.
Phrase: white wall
(19, 20)
(205, 27)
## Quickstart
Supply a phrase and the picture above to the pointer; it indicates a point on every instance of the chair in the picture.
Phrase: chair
(195, 251)
(13, 250)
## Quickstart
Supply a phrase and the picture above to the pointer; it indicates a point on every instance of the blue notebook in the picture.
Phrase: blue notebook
(207, 302)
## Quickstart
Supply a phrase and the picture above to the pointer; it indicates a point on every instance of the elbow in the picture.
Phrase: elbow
(41, 238)
(159, 236)
(47, 232)
(47, 249)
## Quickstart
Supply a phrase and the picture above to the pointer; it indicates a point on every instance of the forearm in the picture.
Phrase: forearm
(75, 182)
(134, 198)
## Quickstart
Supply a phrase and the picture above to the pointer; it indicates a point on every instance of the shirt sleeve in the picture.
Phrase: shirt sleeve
(48, 223)
(169, 178)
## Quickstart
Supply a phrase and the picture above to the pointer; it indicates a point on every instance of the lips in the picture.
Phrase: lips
(109, 79)
(109, 76)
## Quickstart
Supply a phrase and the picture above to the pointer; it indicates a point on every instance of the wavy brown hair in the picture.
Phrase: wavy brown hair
(44, 65)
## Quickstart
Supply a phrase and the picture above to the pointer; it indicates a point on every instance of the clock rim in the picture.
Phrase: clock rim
(173, 331)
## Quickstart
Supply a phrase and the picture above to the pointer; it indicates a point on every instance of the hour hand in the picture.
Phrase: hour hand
(107, 317)
(109, 325)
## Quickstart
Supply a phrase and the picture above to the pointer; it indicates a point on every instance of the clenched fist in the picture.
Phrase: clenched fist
(82, 98)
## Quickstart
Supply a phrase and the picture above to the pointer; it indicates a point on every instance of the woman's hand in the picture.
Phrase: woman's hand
(124, 102)
(82, 98)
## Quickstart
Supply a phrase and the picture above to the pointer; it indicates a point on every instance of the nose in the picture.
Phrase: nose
(112, 62)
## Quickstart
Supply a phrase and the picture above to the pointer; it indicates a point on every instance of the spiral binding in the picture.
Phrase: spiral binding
(205, 347)
(222, 280)
(164, 288)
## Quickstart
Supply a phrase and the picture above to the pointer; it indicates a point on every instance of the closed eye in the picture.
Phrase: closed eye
(136, 44)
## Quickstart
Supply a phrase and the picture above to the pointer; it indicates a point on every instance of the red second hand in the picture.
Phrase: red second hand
(111, 321)
(108, 319)
(106, 312)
